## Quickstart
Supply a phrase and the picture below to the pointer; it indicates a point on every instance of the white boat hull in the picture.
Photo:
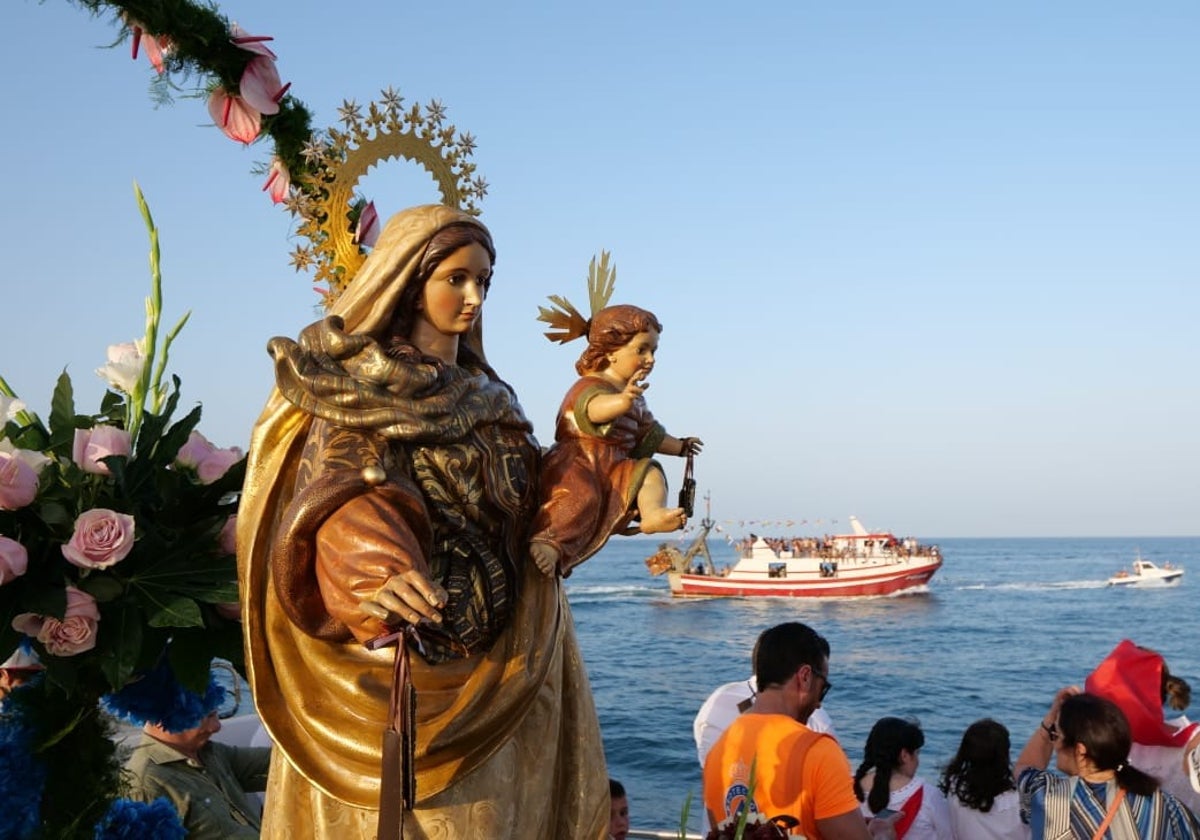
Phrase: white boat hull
(810, 578)
(1146, 573)
(857, 565)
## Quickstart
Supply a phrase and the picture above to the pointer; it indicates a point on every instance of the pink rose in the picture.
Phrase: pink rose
(227, 539)
(93, 444)
(18, 482)
(217, 463)
(74, 633)
(194, 451)
(36, 460)
(14, 559)
(102, 538)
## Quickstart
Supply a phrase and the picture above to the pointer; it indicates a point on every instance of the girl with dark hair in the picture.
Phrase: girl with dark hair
(979, 787)
(600, 477)
(887, 782)
(1102, 794)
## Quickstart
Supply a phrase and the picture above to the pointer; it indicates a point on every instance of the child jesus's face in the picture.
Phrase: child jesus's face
(635, 360)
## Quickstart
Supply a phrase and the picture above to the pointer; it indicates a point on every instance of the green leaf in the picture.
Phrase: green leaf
(175, 611)
(55, 513)
(683, 816)
(103, 587)
(191, 654)
(120, 643)
(32, 437)
(212, 579)
(112, 404)
(116, 466)
(178, 434)
(62, 407)
(152, 430)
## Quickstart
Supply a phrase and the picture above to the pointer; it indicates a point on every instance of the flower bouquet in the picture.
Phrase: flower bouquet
(754, 827)
(116, 558)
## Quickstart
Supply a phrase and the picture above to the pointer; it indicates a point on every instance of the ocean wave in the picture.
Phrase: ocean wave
(1033, 586)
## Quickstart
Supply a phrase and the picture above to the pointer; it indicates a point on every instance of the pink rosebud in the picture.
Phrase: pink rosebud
(74, 633)
(102, 538)
(234, 116)
(195, 450)
(231, 611)
(227, 539)
(218, 463)
(18, 482)
(279, 180)
(260, 85)
(91, 445)
(14, 560)
(366, 232)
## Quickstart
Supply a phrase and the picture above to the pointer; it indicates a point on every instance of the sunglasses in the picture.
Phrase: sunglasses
(825, 683)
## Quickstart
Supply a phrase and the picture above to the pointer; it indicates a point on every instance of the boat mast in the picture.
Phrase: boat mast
(700, 544)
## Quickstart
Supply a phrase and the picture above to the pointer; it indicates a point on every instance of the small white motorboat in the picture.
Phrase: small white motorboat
(1145, 573)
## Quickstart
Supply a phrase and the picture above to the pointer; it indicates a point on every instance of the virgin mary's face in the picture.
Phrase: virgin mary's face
(453, 295)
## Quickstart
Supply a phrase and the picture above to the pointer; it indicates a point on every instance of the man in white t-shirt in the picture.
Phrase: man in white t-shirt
(724, 705)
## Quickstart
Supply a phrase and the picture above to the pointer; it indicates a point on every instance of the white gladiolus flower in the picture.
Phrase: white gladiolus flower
(125, 364)
(36, 460)
(10, 407)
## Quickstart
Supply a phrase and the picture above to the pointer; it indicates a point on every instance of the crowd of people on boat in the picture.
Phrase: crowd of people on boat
(1122, 770)
(834, 548)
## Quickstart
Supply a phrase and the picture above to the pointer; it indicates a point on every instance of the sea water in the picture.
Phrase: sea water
(1003, 625)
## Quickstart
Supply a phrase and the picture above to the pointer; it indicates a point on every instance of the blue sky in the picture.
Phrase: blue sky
(930, 263)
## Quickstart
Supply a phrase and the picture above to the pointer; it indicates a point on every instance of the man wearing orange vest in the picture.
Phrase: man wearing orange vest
(796, 772)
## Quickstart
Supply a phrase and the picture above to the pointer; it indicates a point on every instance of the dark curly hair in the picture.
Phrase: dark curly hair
(981, 770)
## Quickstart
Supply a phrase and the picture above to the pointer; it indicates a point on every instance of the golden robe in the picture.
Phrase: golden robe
(362, 465)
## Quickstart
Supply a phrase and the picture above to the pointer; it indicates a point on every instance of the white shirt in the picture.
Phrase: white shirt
(1166, 765)
(722, 708)
(932, 821)
(1002, 822)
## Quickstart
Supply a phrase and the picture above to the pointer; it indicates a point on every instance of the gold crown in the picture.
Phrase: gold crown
(340, 158)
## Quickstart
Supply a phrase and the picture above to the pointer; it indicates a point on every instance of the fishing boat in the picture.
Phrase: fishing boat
(1145, 573)
(859, 564)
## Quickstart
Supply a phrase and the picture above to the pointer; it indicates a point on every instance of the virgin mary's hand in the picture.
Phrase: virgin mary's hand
(407, 597)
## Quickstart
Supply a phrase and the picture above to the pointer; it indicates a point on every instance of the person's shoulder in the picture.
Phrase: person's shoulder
(148, 753)
(231, 752)
(931, 789)
(730, 694)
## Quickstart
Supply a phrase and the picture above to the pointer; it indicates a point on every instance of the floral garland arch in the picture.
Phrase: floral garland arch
(314, 174)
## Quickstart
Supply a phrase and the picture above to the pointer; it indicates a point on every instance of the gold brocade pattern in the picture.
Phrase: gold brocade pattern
(507, 740)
